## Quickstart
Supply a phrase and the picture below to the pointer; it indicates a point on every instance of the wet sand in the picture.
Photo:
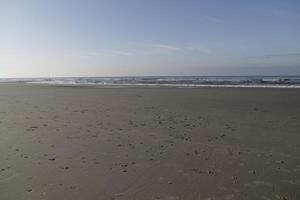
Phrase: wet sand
(77, 143)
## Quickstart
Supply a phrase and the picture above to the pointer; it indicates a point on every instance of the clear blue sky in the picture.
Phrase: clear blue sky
(153, 37)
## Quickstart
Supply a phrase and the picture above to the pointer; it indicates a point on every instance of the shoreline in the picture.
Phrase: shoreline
(178, 86)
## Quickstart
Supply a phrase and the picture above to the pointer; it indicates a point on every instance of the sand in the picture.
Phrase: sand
(80, 143)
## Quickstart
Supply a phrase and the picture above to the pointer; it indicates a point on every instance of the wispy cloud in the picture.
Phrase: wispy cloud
(270, 56)
(183, 48)
(99, 54)
(123, 53)
(150, 49)
(164, 46)
(110, 53)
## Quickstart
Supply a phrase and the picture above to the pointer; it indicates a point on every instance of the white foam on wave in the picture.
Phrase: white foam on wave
(117, 85)
(179, 82)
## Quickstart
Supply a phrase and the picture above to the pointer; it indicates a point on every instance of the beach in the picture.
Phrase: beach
(92, 142)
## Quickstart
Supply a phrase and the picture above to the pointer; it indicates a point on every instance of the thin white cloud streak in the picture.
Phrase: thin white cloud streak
(186, 48)
(110, 53)
(124, 53)
(99, 54)
(164, 46)
(155, 49)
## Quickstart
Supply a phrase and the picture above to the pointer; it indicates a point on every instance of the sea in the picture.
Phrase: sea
(169, 81)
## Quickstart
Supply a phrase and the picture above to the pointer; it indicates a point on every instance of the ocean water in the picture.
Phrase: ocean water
(171, 81)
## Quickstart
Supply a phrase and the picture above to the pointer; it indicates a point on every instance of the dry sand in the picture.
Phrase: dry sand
(81, 143)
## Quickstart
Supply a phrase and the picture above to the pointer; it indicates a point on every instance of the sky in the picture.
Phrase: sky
(62, 38)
